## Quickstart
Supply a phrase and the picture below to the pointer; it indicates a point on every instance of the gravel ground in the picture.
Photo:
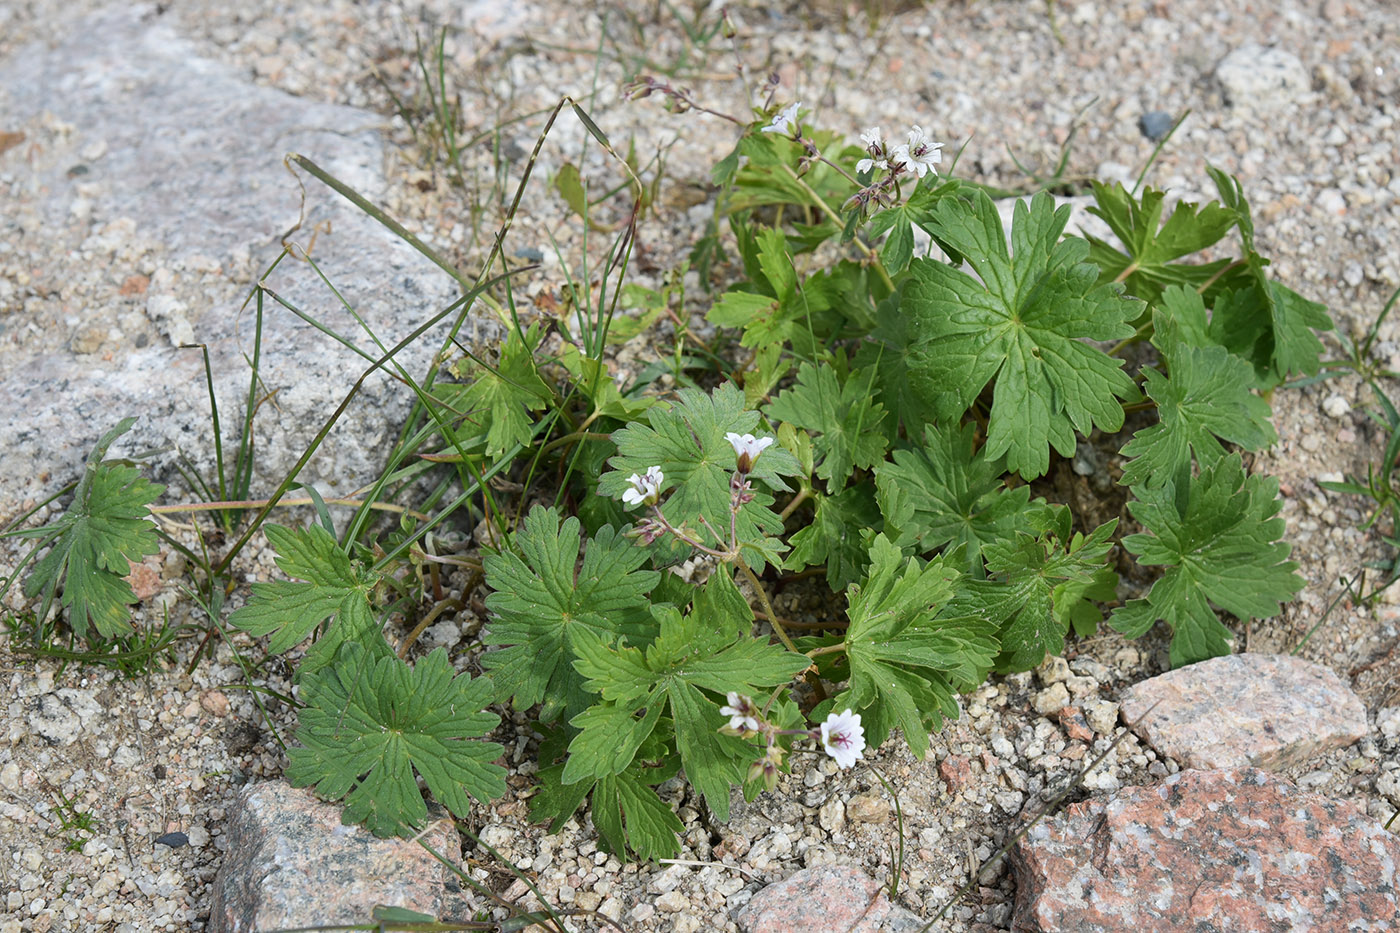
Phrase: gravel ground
(166, 752)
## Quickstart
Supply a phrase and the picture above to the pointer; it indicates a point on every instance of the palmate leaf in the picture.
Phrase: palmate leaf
(627, 812)
(332, 587)
(542, 599)
(695, 659)
(1223, 550)
(1038, 588)
(1262, 320)
(905, 661)
(1271, 326)
(774, 310)
(92, 547)
(900, 221)
(757, 315)
(687, 442)
(944, 495)
(847, 425)
(1149, 262)
(370, 721)
(836, 536)
(1207, 395)
(500, 398)
(1022, 322)
(888, 354)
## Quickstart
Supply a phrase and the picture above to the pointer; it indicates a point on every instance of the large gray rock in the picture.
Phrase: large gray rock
(1208, 850)
(1260, 710)
(147, 196)
(290, 863)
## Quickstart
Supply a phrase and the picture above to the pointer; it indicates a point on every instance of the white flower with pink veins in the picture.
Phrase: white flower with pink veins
(843, 737)
(646, 490)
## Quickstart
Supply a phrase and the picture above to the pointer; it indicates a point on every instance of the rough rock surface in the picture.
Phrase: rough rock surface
(1208, 850)
(290, 863)
(1262, 79)
(162, 171)
(830, 899)
(1260, 710)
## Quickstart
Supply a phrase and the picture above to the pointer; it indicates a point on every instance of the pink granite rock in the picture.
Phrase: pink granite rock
(1242, 710)
(956, 772)
(829, 899)
(291, 863)
(1208, 850)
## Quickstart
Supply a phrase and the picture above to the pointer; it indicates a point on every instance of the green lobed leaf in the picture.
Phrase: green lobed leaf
(905, 661)
(756, 314)
(1207, 395)
(1224, 551)
(370, 722)
(1038, 587)
(887, 353)
(543, 598)
(1262, 320)
(687, 442)
(1184, 319)
(628, 814)
(635, 819)
(942, 494)
(695, 656)
(88, 543)
(1022, 322)
(92, 546)
(776, 264)
(837, 536)
(332, 586)
(847, 425)
(1149, 261)
(501, 398)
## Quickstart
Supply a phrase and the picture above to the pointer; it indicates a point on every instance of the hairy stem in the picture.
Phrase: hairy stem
(767, 606)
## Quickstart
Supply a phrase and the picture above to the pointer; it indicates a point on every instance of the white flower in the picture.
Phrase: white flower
(874, 142)
(784, 121)
(920, 154)
(747, 448)
(865, 165)
(844, 738)
(741, 712)
(645, 489)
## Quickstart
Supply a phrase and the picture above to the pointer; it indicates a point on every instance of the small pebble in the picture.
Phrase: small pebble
(832, 816)
(1073, 722)
(1051, 700)
(1335, 406)
(173, 840)
(673, 902)
(1155, 124)
(1102, 715)
(956, 773)
(868, 808)
(214, 702)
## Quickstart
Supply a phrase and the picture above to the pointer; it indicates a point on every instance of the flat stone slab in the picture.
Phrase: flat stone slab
(1245, 710)
(150, 195)
(290, 863)
(1208, 850)
(829, 899)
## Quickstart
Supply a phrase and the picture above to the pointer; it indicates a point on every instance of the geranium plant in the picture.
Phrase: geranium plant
(891, 380)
